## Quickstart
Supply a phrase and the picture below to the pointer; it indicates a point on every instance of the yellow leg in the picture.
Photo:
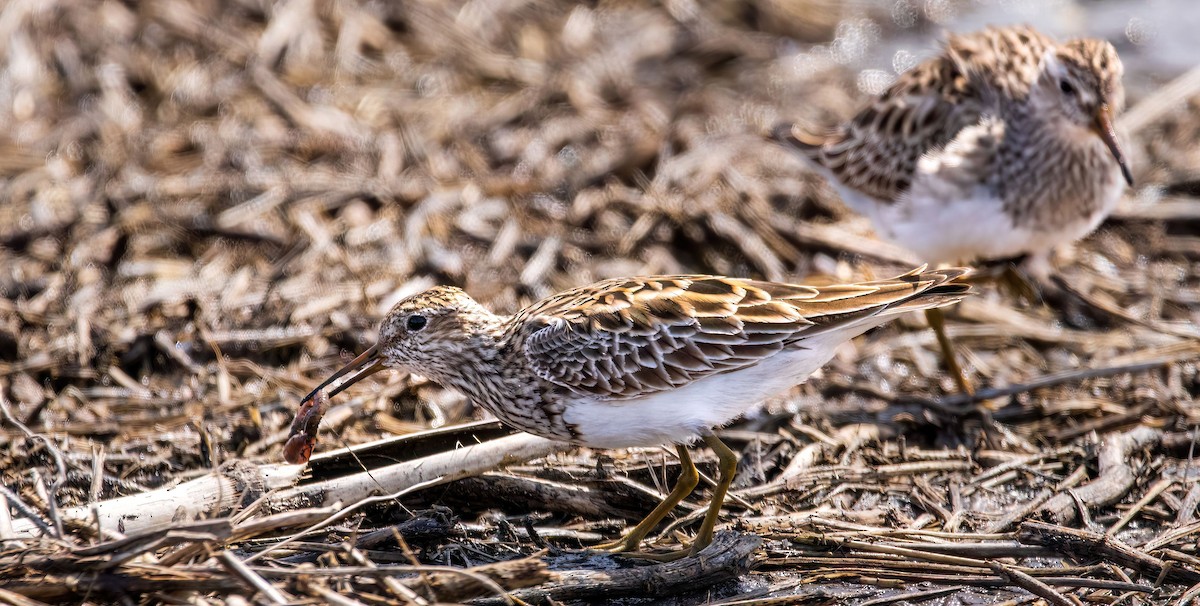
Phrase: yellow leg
(688, 479)
(937, 322)
(727, 463)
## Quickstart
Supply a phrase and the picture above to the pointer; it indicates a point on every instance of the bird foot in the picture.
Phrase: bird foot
(631, 549)
(667, 556)
(622, 545)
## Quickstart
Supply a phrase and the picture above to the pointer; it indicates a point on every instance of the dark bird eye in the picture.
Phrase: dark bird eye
(416, 322)
(1066, 87)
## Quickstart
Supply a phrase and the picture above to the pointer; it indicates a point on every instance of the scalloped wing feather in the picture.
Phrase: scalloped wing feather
(877, 152)
(628, 338)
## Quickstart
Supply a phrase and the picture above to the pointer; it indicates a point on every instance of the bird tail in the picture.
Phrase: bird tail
(797, 137)
(868, 304)
(852, 309)
(932, 288)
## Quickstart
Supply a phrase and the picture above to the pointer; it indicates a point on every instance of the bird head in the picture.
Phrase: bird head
(1082, 78)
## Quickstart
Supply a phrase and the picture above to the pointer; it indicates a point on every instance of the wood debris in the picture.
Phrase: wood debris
(207, 206)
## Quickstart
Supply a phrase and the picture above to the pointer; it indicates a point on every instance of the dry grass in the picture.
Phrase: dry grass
(205, 206)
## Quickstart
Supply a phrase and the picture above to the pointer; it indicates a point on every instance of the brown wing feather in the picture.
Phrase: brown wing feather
(877, 151)
(628, 338)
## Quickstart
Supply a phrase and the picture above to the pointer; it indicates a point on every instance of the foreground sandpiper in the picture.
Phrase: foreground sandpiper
(1002, 146)
(632, 362)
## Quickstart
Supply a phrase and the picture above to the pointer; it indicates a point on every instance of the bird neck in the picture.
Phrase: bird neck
(1050, 167)
(1040, 122)
(475, 364)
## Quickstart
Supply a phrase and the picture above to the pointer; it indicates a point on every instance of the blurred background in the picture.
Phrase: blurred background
(206, 206)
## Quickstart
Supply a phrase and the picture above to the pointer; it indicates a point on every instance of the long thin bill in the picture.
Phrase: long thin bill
(366, 364)
(1104, 128)
(302, 438)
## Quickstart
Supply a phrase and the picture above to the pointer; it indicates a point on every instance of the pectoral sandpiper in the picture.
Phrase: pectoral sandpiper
(632, 362)
(1002, 146)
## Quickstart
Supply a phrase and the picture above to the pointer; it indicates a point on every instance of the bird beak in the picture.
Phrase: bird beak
(367, 363)
(303, 436)
(1104, 128)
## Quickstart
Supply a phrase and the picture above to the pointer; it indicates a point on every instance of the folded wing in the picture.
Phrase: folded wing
(629, 338)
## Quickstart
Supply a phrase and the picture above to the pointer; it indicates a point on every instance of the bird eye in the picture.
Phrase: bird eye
(1066, 87)
(416, 322)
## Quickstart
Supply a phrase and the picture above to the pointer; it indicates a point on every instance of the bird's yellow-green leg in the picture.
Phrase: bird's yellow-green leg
(727, 461)
(937, 322)
(688, 479)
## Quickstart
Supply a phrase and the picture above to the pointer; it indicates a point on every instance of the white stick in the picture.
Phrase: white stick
(222, 492)
(438, 468)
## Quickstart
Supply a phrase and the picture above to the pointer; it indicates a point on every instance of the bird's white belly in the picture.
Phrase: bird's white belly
(969, 228)
(974, 228)
(949, 216)
(680, 415)
(946, 229)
